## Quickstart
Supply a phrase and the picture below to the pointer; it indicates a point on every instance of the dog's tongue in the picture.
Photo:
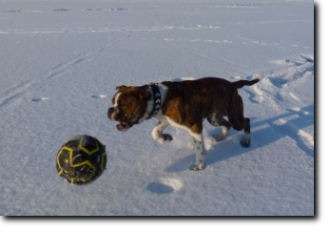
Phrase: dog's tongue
(123, 126)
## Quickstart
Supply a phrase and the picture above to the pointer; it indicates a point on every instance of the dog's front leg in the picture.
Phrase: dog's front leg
(200, 152)
(157, 133)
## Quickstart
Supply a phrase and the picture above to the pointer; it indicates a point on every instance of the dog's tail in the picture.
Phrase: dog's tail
(241, 83)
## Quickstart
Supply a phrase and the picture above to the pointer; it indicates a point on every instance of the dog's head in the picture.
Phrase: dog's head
(129, 106)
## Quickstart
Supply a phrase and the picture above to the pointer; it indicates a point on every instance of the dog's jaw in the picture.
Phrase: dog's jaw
(113, 116)
(123, 126)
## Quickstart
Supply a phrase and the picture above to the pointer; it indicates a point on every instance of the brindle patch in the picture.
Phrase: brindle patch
(189, 102)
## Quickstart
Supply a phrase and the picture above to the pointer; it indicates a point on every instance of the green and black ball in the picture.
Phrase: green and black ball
(81, 160)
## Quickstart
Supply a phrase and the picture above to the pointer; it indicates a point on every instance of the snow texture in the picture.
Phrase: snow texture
(61, 61)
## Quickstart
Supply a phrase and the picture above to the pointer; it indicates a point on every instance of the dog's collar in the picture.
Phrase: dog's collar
(157, 99)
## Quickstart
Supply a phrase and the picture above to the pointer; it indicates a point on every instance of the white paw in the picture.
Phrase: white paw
(167, 138)
(197, 167)
(162, 138)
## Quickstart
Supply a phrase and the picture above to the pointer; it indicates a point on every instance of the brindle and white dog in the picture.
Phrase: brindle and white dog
(185, 105)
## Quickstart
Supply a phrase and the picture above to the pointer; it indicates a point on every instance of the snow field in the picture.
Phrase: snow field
(61, 62)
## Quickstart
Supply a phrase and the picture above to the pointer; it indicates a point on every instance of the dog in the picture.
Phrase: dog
(184, 105)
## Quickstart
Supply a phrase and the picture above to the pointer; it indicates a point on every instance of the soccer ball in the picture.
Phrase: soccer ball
(81, 160)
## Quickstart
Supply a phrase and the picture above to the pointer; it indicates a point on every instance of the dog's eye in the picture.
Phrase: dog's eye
(121, 104)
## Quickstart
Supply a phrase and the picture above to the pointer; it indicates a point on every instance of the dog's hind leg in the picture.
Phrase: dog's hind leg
(157, 133)
(243, 123)
(246, 140)
(238, 122)
(219, 121)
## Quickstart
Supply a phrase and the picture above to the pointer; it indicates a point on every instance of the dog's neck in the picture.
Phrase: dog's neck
(150, 112)
(156, 99)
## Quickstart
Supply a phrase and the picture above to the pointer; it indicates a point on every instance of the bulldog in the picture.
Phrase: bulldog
(185, 105)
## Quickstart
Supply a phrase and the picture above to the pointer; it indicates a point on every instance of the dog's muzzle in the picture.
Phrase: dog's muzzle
(114, 115)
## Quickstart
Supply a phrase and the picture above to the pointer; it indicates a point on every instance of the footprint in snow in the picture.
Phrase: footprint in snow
(165, 186)
(40, 99)
(303, 140)
(302, 67)
(98, 96)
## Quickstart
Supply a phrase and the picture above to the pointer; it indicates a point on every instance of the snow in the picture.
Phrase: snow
(61, 61)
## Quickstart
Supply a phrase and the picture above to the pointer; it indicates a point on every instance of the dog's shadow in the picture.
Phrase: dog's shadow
(230, 147)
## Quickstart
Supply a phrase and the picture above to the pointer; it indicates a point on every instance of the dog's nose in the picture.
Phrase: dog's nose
(111, 110)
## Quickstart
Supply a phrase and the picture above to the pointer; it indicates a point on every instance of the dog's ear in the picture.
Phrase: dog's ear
(141, 94)
(120, 87)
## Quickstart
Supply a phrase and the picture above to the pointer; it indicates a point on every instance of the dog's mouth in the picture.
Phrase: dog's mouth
(123, 126)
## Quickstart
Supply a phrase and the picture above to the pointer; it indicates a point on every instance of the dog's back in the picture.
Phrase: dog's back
(203, 95)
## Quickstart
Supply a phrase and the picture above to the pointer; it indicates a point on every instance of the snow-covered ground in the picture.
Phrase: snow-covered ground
(61, 61)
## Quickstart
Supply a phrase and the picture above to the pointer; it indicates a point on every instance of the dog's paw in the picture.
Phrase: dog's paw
(246, 141)
(197, 167)
(167, 138)
(164, 138)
